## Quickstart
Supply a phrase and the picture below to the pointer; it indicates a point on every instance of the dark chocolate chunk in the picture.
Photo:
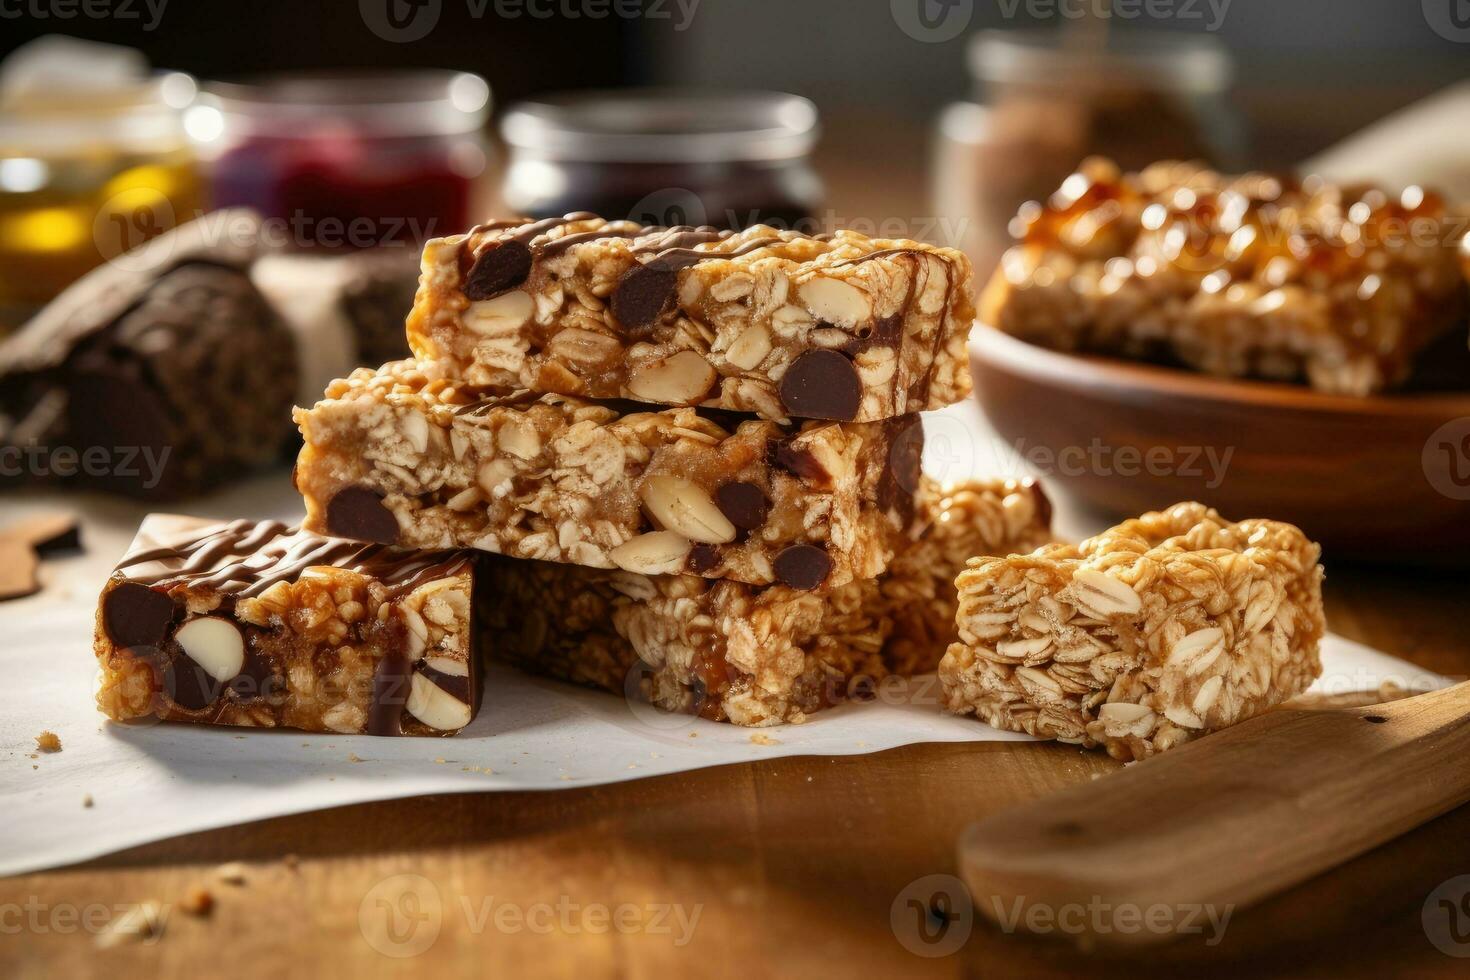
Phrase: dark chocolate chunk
(17, 570)
(822, 384)
(136, 616)
(803, 566)
(744, 504)
(801, 463)
(358, 513)
(189, 685)
(702, 557)
(900, 479)
(391, 683)
(497, 269)
(256, 680)
(454, 685)
(641, 297)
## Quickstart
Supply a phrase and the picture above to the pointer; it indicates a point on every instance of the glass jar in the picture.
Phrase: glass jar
(1048, 99)
(664, 157)
(348, 161)
(85, 176)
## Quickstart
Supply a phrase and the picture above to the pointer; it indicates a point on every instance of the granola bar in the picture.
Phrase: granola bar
(776, 323)
(1166, 627)
(748, 655)
(1238, 276)
(255, 624)
(407, 456)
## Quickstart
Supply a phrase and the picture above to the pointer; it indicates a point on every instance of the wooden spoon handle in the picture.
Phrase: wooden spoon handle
(1224, 821)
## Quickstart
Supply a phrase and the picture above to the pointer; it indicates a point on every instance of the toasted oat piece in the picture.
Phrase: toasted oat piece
(1254, 275)
(407, 456)
(757, 656)
(255, 624)
(1165, 627)
(777, 323)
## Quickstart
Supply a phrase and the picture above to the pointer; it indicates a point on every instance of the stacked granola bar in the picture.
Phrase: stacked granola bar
(693, 454)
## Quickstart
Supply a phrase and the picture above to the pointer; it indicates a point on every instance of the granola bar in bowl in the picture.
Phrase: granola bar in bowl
(1271, 345)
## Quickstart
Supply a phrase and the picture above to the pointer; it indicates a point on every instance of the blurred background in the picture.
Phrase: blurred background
(930, 111)
(350, 132)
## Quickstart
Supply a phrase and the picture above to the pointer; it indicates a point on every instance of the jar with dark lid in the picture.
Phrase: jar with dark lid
(664, 157)
(1045, 100)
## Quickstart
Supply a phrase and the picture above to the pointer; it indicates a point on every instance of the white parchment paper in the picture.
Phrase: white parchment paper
(152, 781)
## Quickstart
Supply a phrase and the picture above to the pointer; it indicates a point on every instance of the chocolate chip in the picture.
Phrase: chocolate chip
(702, 557)
(883, 332)
(900, 480)
(822, 384)
(744, 504)
(358, 513)
(801, 463)
(497, 269)
(641, 297)
(454, 685)
(803, 566)
(188, 685)
(391, 683)
(135, 616)
(256, 680)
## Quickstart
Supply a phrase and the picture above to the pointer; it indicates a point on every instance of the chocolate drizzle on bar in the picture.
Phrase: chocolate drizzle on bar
(245, 558)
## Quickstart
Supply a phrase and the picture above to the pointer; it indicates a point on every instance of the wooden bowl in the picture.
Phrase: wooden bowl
(1379, 479)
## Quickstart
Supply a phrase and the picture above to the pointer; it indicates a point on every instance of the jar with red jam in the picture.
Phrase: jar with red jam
(349, 161)
(665, 158)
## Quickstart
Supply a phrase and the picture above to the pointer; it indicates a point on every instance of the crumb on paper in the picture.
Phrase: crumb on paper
(693, 734)
(198, 901)
(353, 757)
(231, 873)
(87, 800)
(48, 742)
(632, 765)
(761, 738)
(484, 769)
(142, 922)
(440, 761)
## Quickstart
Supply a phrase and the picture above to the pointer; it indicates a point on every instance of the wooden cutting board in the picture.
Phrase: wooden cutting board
(1222, 822)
